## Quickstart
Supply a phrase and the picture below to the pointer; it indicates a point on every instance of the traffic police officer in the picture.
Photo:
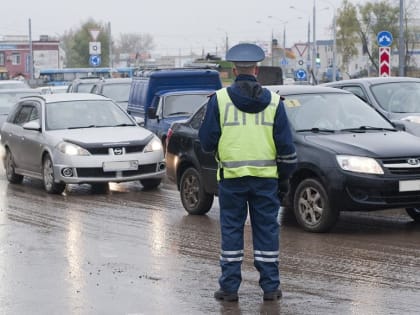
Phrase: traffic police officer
(247, 128)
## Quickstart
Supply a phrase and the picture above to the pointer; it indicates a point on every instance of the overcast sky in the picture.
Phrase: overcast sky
(177, 27)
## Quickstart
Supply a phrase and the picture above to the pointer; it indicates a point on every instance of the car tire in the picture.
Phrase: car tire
(312, 207)
(150, 183)
(50, 185)
(193, 197)
(9, 165)
(414, 213)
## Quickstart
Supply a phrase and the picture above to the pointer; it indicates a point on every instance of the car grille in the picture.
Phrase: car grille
(106, 150)
(99, 172)
(402, 166)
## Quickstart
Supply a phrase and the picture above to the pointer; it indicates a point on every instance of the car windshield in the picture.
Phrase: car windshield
(84, 87)
(184, 104)
(398, 97)
(84, 114)
(118, 92)
(331, 112)
(7, 100)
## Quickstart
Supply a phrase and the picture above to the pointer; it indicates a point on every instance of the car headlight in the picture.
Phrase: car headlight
(359, 164)
(71, 149)
(154, 145)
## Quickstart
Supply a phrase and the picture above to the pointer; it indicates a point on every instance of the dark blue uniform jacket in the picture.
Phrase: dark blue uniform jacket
(249, 96)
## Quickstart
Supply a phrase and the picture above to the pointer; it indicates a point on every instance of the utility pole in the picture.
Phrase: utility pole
(314, 46)
(334, 61)
(111, 64)
(401, 46)
(31, 53)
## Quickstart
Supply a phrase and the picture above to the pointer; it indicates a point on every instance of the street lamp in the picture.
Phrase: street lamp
(334, 59)
(313, 57)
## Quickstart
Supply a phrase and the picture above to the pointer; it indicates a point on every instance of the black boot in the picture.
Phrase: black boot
(271, 296)
(226, 296)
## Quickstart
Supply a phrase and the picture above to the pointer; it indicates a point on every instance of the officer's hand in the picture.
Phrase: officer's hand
(283, 187)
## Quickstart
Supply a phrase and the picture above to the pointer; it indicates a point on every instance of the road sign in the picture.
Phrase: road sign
(384, 39)
(301, 48)
(301, 62)
(300, 74)
(95, 60)
(284, 62)
(384, 61)
(94, 34)
(94, 48)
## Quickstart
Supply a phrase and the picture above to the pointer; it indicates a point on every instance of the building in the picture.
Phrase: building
(15, 55)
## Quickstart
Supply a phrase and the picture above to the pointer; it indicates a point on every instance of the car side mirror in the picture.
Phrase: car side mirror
(139, 121)
(151, 113)
(32, 125)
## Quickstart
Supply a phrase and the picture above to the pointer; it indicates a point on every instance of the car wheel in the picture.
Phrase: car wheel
(312, 207)
(48, 177)
(9, 165)
(100, 188)
(150, 183)
(193, 197)
(414, 213)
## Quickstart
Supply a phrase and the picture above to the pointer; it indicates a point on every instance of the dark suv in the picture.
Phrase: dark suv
(350, 158)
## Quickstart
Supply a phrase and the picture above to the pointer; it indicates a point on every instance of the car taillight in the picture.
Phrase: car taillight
(168, 136)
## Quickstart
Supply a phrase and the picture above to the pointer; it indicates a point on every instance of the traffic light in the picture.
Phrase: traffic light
(318, 60)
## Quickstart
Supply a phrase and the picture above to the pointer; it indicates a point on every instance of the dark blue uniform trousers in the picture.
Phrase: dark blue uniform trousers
(260, 196)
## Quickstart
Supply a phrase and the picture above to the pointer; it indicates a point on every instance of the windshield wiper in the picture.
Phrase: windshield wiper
(316, 130)
(82, 127)
(179, 113)
(366, 128)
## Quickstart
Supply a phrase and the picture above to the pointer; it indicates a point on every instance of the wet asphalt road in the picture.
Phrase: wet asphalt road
(137, 252)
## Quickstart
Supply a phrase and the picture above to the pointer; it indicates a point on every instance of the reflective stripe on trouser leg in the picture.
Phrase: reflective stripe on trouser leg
(233, 213)
(263, 209)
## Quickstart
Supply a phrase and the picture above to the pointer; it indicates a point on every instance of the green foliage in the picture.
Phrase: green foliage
(347, 32)
(359, 26)
(75, 44)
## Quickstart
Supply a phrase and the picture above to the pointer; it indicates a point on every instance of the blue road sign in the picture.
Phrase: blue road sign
(284, 62)
(95, 60)
(384, 38)
(300, 74)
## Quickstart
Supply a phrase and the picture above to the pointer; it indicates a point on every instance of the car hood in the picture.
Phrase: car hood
(102, 135)
(373, 144)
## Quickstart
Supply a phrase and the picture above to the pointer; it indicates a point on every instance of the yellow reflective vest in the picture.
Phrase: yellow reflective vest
(246, 146)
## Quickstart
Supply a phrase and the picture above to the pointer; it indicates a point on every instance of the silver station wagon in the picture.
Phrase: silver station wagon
(75, 138)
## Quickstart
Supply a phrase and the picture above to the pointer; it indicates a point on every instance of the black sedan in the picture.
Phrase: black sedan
(350, 158)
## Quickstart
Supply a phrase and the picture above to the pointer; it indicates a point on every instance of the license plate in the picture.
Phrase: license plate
(120, 166)
(409, 185)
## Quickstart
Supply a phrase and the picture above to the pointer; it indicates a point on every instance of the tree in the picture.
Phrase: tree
(75, 44)
(134, 44)
(363, 22)
(374, 18)
(347, 32)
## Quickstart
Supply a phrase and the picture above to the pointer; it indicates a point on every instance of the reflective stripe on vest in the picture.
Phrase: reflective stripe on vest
(246, 146)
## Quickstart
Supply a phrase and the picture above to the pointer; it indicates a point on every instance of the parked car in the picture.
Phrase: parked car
(350, 158)
(13, 84)
(159, 97)
(9, 97)
(52, 89)
(117, 89)
(397, 98)
(82, 85)
(75, 138)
